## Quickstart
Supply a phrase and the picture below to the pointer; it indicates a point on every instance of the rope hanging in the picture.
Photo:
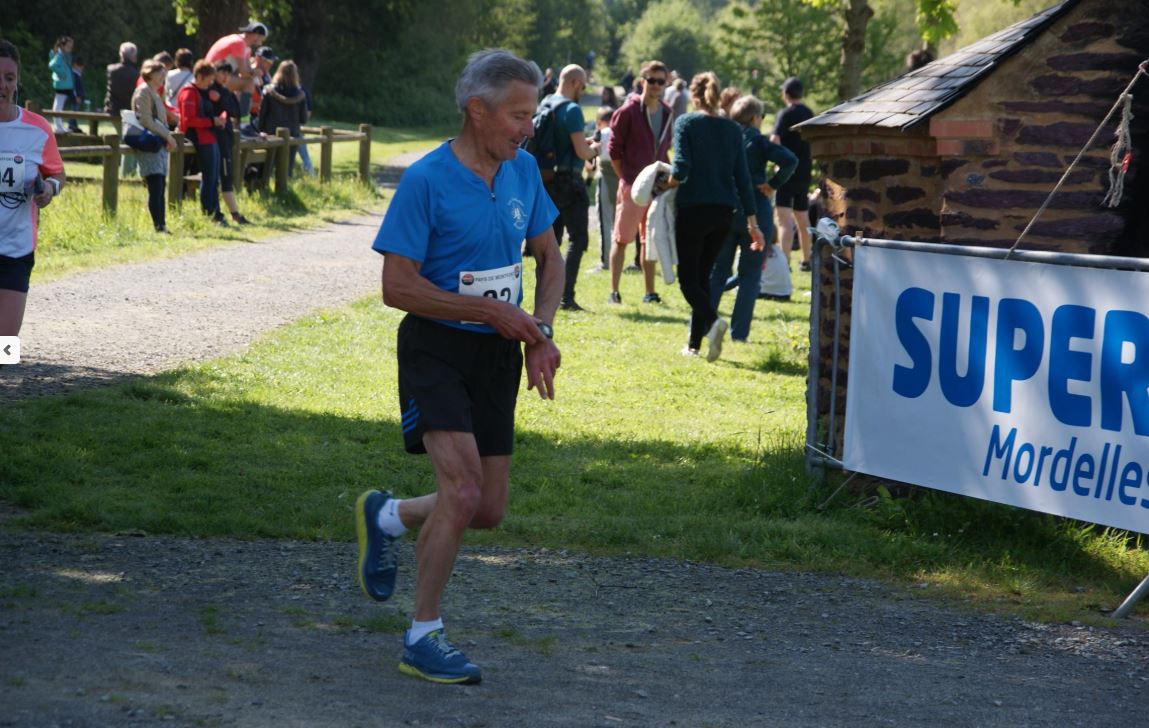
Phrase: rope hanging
(1120, 156)
(1142, 69)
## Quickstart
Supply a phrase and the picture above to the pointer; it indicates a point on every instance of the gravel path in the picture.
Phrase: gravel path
(138, 630)
(104, 325)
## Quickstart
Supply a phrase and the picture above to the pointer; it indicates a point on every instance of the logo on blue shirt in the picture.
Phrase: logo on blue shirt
(518, 213)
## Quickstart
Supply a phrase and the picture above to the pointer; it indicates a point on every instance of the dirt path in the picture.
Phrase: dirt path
(135, 630)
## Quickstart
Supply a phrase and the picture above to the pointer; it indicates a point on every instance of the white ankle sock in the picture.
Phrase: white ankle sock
(389, 519)
(419, 630)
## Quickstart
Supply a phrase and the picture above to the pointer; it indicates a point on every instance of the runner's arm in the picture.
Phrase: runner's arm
(405, 289)
(542, 358)
(550, 274)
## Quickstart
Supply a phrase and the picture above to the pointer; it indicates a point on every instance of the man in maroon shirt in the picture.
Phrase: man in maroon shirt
(639, 136)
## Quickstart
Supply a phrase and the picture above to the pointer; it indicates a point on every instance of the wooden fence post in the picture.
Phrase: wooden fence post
(365, 154)
(112, 174)
(325, 151)
(281, 161)
(176, 173)
(94, 127)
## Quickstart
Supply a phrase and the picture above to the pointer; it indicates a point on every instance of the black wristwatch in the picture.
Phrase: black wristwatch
(547, 330)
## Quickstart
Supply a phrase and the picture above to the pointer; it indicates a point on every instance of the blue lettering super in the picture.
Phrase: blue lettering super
(1061, 352)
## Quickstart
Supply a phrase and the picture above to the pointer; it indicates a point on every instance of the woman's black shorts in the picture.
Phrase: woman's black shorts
(793, 192)
(16, 272)
(457, 380)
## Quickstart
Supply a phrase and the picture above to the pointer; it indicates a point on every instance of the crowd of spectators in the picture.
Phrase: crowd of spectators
(737, 191)
(229, 92)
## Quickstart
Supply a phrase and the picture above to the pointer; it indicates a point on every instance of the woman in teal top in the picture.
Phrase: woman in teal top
(713, 182)
(60, 63)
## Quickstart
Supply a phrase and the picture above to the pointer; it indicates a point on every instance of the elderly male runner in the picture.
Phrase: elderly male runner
(452, 245)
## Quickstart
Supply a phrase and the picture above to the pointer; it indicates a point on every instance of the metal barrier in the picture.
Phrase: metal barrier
(273, 151)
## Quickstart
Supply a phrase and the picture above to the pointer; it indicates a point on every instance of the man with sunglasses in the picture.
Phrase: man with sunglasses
(639, 136)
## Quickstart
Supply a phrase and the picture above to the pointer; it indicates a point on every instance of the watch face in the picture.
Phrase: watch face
(547, 330)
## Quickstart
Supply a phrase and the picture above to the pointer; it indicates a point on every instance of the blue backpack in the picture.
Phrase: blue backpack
(544, 144)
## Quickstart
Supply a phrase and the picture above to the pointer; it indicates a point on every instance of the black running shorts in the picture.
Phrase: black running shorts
(15, 273)
(456, 380)
(793, 193)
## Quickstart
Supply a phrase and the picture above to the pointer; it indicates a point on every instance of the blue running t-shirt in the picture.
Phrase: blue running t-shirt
(467, 237)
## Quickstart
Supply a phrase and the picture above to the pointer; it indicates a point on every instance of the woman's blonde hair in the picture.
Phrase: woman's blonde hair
(705, 91)
(287, 75)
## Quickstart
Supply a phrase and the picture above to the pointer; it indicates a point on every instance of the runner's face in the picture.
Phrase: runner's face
(508, 123)
(9, 77)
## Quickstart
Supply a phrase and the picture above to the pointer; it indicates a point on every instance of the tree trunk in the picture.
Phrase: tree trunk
(218, 18)
(858, 14)
(311, 25)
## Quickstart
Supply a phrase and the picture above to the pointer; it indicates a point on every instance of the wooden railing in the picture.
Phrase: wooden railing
(273, 151)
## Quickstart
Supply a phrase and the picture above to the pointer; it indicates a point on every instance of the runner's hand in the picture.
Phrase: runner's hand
(43, 199)
(542, 360)
(514, 323)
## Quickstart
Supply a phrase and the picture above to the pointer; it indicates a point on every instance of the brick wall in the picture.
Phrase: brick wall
(980, 169)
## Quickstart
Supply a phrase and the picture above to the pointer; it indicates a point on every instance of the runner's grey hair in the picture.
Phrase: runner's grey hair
(489, 72)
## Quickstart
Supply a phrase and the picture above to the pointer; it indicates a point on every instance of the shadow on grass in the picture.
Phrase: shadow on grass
(166, 456)
(642, 317)
(35, 379)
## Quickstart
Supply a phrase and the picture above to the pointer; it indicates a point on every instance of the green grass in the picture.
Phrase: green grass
(75, 234)
(643, 452)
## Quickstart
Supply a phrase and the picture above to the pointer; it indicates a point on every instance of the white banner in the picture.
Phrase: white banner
(1019, 383)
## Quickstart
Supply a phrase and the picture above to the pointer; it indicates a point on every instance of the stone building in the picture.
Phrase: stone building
(966, 149)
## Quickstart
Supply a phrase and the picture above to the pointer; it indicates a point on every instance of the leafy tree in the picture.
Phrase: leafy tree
(672, 31)
(98, 28)
(566, 29)
(936, 21)
(758, 46)
(856, 16)
(887, 45)
(210, 20)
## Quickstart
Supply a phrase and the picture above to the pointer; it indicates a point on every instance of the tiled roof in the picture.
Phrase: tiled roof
(912, 98)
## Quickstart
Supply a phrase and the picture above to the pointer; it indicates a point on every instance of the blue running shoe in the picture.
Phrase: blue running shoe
(436, 659)
(377, 549)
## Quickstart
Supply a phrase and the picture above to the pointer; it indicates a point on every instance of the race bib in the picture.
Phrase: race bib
(500, 283)
(11, 173)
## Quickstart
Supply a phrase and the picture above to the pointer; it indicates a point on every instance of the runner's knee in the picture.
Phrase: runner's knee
(461, 502)
(489, 515)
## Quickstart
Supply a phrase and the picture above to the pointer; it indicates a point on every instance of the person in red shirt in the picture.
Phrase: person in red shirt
(197, 123)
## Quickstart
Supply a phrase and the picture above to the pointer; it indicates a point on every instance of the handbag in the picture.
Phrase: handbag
(144, 141)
